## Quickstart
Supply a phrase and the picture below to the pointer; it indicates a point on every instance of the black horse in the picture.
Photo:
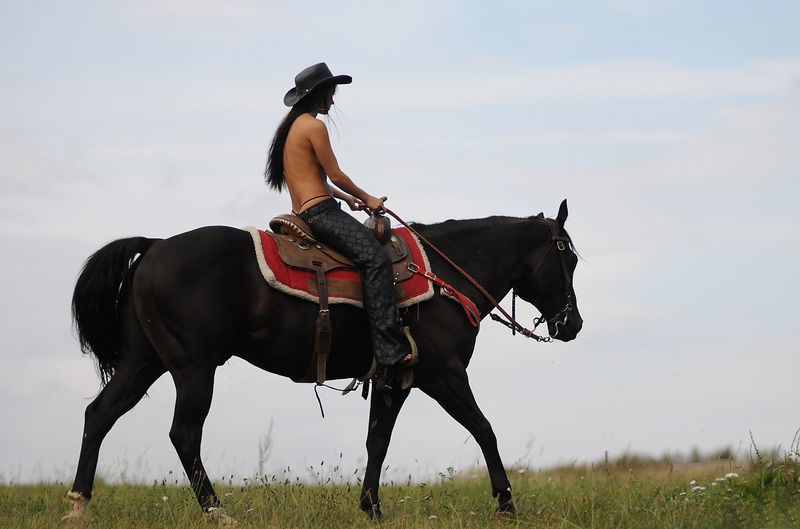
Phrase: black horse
(190, 302)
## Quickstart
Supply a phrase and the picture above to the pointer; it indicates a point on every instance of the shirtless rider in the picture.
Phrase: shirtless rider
(301, 159)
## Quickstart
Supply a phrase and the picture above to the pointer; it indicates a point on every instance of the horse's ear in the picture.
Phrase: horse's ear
(540, 215)
(562, 212)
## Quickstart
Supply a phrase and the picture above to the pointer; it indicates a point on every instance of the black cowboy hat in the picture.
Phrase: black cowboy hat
(310, 78)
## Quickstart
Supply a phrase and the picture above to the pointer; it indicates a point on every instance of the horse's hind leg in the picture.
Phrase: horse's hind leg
(194, 387)
(453, 393)
(131, 380)
(382, 417)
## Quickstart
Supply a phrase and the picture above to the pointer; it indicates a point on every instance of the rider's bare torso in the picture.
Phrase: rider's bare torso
(305, 177)
(308, 163)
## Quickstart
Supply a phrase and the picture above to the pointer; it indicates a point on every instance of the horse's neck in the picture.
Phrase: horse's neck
(489, 250)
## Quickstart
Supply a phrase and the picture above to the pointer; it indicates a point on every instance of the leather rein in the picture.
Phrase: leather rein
(560, 319)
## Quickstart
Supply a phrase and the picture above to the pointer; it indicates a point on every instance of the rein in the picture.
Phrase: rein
(510, 321)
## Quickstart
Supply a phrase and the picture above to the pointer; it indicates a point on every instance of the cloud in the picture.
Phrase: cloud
(642, 8)
(746, 144)
(557, 32)
(681, 179)
(622, 80)
(210, 9)
(525, 139)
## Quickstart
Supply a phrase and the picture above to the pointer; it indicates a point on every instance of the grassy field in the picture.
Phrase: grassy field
(627, 493)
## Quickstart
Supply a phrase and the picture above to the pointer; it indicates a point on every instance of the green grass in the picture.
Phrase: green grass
(627, 493)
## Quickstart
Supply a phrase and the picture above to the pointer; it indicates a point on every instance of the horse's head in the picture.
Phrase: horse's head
(544, 279)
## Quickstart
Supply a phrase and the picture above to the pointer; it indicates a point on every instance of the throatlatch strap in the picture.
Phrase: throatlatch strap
(322, 339)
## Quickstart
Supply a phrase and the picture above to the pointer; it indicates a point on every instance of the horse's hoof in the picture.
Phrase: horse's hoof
(72, 517)
(506, 511)
(77, 508)
(373, 510)
(216, 516)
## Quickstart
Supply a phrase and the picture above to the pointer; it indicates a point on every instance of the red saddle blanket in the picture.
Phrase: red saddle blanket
(344, 286)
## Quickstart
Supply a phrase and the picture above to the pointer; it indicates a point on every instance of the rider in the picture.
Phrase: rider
(302, 160)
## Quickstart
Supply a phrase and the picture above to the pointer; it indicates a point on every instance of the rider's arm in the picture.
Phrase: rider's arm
(339, 194)
(351, 201)
(320, 141)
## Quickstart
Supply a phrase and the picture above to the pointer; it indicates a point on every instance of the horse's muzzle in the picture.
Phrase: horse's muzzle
(567, 329)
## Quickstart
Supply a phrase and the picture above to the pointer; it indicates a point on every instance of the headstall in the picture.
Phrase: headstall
(558, 320)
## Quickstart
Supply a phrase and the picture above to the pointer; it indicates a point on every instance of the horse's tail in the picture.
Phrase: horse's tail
(99, 293)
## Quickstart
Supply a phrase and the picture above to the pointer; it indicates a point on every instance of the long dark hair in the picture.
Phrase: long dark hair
(273, 174)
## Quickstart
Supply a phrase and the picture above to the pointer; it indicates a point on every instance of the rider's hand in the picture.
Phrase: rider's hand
(375, 204)
(354, 203)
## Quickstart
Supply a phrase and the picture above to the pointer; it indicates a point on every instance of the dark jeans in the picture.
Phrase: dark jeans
(345, 234)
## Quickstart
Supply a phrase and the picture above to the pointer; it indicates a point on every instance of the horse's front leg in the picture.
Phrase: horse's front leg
(383, 413)
(452, 392)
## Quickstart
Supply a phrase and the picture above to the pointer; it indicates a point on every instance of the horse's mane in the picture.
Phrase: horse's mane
(464, 227)
(460, 226)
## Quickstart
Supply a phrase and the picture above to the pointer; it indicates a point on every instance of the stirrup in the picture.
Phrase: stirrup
(400, 369)
(412, 357)
(406, 374)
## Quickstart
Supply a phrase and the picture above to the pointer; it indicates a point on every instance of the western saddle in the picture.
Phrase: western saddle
(299, 248)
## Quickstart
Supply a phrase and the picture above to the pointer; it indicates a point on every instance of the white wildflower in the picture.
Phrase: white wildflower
(697, 489)
(433, 517)
(164, 498)
(521, 471)
(228, 494)
(693, 482)
(731, 475)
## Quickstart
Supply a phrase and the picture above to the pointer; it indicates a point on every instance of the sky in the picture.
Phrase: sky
(672, 127)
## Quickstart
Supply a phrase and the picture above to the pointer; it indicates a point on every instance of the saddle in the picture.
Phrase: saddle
(298, 248)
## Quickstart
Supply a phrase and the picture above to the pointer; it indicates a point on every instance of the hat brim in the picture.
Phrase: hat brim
(292, 97)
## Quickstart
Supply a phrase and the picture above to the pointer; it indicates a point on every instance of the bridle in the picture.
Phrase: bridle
(558, 320)
(560, 243)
